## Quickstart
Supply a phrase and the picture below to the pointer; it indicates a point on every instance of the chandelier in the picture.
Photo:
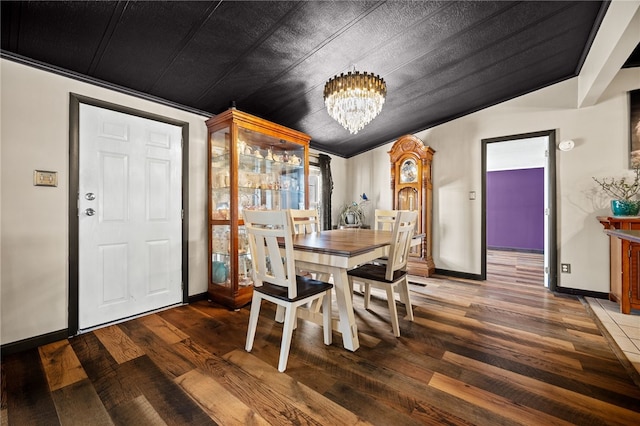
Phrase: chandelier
(353, 100)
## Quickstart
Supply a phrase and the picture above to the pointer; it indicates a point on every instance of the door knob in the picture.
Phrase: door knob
(90, 196)
(90, 212)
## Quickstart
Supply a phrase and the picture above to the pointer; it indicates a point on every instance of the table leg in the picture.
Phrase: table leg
(347, 325)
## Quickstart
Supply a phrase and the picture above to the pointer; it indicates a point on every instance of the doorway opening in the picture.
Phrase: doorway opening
(518, 209)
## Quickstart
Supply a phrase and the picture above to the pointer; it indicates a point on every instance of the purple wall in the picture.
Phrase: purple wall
(515, 209)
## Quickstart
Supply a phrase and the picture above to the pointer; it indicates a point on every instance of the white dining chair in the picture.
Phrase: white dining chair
(275, 279)
(392, 276)
(304, 221)
(383, 220)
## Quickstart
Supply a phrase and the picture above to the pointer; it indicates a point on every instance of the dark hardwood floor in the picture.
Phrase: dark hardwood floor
(499, 352)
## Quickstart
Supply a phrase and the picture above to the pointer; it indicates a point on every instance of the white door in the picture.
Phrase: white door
(130, 216)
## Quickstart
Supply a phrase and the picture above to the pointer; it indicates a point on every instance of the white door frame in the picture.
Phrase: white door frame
(551, 247)
(74, 185)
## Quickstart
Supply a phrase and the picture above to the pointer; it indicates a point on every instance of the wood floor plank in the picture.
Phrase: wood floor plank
(221, 406)
(509, 348)
(359, 376)
(158, 349)
(173, 405)
(208, 330)
(492, 402)
(112, 384)
(163, 329)
(595, 408)
(78, 404)
(29, 400)
(298, 394)
(119, 384)
(137, 412)
(259, 396)
(61, 365)
(119, 345)
(442, 316)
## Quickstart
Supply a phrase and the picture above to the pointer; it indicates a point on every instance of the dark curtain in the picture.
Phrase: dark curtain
(324, 162)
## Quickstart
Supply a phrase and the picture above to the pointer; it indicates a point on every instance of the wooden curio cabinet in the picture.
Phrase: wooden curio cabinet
(253, 164)
(412, 189)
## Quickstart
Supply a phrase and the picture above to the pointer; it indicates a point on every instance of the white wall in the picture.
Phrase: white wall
(34, 229)
(601, 133)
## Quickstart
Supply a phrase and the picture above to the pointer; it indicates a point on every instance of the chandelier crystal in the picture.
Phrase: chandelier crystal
(353, 100)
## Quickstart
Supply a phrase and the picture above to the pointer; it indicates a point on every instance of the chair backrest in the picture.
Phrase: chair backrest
(271, 263)
(384, 220)
(304, 221)
(403, 231)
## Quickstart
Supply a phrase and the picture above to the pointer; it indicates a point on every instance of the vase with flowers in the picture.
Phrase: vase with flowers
(622, 190)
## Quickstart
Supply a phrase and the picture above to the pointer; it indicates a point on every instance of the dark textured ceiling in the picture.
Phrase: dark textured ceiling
(441, 60)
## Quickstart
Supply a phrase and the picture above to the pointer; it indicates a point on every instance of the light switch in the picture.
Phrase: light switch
(45, 178)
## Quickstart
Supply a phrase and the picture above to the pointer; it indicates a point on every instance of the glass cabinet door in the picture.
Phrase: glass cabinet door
(271, 172)
(220, 208)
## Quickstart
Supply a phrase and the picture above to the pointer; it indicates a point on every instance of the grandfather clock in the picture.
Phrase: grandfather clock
(412, 189)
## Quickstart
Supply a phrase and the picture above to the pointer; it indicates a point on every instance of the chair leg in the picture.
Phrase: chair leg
(406, 299)
(287, 332)
(279, 314)
(253, 320)
(326, 318)
(367, 295)
(393, 312)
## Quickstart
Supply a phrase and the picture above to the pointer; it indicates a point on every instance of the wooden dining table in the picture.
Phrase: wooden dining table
(335, 252)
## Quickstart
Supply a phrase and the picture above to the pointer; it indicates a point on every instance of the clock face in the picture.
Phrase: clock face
(409, 171)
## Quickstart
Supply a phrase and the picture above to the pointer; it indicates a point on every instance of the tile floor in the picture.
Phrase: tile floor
(624, 329)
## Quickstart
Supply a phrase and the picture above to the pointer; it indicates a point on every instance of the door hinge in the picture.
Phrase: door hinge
(629, 252)
(546, 153)
(546, 269)
(182, 214)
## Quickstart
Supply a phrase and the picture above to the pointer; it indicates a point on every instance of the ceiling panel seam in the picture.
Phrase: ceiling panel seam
(114, 20)
(439, 44)
(476, 71)
(246, 53)
(184, 43)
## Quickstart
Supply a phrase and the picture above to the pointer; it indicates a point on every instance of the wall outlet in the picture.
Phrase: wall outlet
(565, 268)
